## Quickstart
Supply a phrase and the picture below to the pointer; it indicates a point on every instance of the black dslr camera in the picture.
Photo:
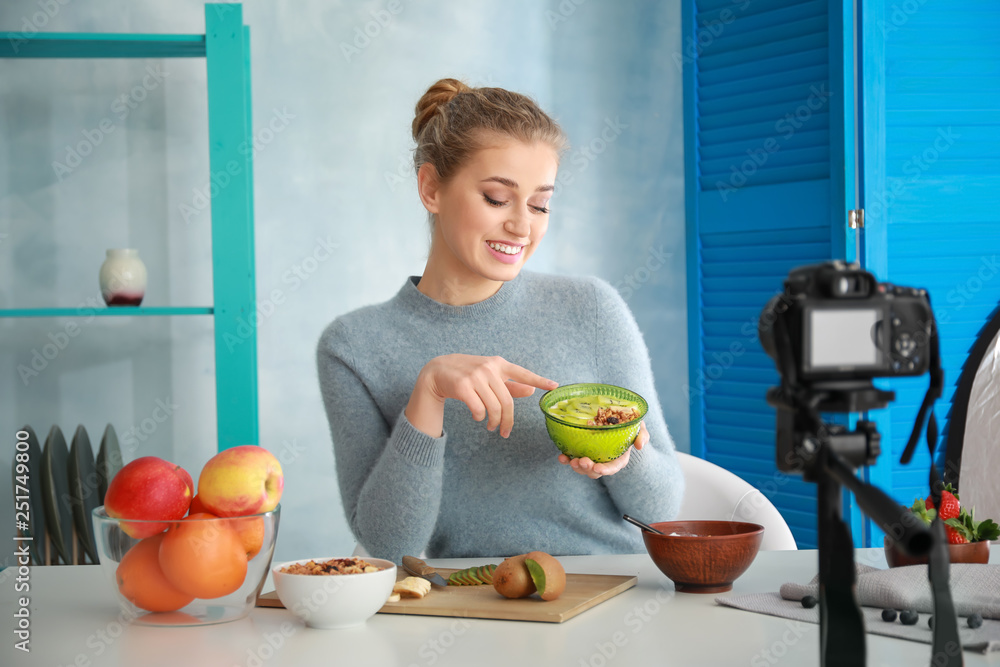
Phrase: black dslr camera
(842, 326)
(832, 331)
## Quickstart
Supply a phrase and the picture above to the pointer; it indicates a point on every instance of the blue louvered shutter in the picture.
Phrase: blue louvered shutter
(768, 179)
(931, 190)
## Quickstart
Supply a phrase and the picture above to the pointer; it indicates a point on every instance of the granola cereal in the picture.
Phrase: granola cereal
(613, 415)
(332, 566)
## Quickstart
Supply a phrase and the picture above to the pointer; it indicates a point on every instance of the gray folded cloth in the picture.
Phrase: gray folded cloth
(975, 588)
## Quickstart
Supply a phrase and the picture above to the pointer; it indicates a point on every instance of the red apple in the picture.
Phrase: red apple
(241, 480)
(196, 506)
(148, 488)
(187, 478)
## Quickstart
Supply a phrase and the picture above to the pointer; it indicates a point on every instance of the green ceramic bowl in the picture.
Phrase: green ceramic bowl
(599, 443)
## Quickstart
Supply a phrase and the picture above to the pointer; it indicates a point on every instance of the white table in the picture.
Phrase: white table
(74, 621)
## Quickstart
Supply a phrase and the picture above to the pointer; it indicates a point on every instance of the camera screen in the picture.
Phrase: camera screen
(843, 338)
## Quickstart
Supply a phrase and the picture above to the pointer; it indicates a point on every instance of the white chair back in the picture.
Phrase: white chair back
(713, 493)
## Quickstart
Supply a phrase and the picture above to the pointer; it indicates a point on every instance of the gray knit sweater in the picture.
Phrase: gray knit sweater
(471, 492)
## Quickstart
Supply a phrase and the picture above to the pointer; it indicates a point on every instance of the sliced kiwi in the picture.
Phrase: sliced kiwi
(472, 576)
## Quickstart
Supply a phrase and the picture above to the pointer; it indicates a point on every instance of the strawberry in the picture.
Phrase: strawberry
(965, 528)
(954, 537)
(929, 503)
(950, 507)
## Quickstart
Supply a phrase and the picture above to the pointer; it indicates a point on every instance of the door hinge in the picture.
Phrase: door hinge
(856, 218)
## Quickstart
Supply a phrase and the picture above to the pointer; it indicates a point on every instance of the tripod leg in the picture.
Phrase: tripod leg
(947, 647)
(842, 631)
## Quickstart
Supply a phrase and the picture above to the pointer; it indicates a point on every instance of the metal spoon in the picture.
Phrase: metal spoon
(642, 525)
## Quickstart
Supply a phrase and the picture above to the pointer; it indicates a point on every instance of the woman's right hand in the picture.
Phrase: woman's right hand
(487, 385)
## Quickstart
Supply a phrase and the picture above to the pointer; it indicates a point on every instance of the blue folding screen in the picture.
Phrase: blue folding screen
(931, 189)
(769, 174)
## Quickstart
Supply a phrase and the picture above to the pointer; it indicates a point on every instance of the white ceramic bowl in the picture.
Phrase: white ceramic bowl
(338, 600)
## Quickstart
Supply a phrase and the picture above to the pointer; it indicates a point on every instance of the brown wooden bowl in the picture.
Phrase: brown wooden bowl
(972, 552)
(703, 556)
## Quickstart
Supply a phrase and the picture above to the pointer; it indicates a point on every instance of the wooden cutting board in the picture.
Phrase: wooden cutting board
(583, 591)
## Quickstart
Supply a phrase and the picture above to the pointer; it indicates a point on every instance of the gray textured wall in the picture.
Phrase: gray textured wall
(336, 172)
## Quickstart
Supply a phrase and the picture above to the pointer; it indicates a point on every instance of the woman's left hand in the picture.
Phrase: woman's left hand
(585, 466)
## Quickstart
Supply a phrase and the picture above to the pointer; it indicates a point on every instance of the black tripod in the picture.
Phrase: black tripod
(829, 454)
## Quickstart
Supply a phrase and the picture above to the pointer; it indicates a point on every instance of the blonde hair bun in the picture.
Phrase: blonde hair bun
(453, 121)
(436, 97)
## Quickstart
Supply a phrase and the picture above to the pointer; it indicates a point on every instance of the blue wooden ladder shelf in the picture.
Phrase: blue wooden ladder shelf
(226, 49)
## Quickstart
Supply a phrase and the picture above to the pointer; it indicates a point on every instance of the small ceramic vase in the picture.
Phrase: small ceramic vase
(123, 277)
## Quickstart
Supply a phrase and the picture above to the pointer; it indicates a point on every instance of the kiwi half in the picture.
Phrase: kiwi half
(547, 574)
(511, 578)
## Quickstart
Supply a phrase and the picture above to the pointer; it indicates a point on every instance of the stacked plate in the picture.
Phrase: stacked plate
(63, 486)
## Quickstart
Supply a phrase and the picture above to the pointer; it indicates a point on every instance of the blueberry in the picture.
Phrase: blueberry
(909, 617)
(930, 622)
(809, 602)
(975, 621)
(888, 615)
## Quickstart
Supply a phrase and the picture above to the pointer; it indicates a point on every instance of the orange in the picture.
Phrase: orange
(141, 580)
(251, 533)
(205, 559)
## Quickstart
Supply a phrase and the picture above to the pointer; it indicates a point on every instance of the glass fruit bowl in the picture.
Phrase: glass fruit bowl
(192, 571)
(598, 443)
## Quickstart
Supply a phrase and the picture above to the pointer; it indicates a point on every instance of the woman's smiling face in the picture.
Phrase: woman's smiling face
(492, 214)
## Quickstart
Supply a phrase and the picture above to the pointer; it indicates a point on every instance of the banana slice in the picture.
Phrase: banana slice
(412, 587)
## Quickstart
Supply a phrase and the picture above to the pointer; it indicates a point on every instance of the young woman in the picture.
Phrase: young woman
(409, 383)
